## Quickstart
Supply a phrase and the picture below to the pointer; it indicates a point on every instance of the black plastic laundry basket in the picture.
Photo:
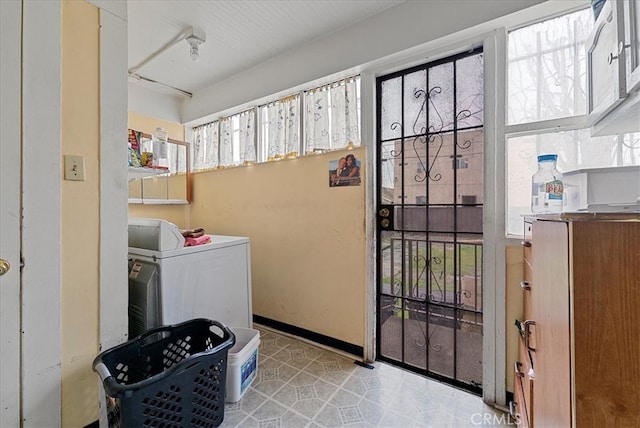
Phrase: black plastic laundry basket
(169, 376)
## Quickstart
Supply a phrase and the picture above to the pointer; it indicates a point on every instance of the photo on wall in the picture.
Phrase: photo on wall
(344, 171)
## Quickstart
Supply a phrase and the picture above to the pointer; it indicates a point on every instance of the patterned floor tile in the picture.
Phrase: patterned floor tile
(236, 413)
(274, 415)
(297, 356)
(375, 387)
(306, 394)
(303, 386)
(331, 367)
(272, 375)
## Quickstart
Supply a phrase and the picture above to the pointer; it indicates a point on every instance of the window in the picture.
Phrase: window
(468, 199)
(280, 129)
(205, 147)
(459, 162)
(332, 116)
(331, 120)
(547, 69)
(228, 141)
(237, 139)
(546, 108)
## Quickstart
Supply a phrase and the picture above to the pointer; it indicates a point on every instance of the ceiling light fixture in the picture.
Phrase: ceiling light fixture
(193, 36)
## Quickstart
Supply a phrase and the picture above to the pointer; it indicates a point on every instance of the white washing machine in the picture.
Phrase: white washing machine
(210, 280)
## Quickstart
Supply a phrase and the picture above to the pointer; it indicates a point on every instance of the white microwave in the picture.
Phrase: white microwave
(611, 189)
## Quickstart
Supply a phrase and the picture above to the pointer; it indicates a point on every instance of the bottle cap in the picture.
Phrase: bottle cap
(545, 158)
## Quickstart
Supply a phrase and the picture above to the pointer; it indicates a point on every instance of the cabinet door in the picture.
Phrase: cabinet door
(605, 62)
(632, 44)
(550, 308)
(606, 301)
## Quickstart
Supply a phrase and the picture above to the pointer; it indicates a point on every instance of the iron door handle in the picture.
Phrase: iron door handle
(527, 334)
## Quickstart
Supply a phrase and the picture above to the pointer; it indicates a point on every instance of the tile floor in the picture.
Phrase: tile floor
(302, 385)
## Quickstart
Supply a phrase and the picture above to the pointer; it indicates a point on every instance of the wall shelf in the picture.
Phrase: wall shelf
(136, 172)
(161, 186)
(141, 201)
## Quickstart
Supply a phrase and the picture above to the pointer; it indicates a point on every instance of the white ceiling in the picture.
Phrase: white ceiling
(239, 34)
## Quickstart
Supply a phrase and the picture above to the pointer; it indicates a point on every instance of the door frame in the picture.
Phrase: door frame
(33, 44)
(112, 288)
(41, 214)
(35, 398)
(494, 269)
(10, 147)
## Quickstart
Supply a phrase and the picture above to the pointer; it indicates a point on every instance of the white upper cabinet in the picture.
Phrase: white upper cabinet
(632, 43)
(612, 65)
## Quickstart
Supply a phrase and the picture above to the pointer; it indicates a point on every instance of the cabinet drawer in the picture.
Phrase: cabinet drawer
(525, 374)
(527, 289)
(519, 409)
(527, 243)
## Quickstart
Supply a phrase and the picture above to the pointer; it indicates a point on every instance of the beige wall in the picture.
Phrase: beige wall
(307, 240)
(80, 215)
(148, 125)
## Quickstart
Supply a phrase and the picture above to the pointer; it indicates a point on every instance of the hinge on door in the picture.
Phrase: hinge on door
(21, 262)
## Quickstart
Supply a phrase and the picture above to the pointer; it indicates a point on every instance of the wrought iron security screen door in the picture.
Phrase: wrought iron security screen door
(429, 226)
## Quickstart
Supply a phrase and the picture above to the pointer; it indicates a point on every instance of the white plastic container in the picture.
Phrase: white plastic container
(546, 186)
(242, 363)
(160, 149)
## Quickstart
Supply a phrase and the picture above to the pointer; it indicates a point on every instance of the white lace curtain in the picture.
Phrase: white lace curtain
(205, 146)
(247, 137)
(227, 142)
(316, 120)
(331, 116)
(283, 128)
(344, 114)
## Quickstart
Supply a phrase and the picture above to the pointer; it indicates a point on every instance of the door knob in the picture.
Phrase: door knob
(4, 266)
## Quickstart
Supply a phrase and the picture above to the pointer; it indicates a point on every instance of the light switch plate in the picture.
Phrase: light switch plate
(74, 167)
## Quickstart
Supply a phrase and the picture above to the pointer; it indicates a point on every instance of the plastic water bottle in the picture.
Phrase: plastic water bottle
(160, 148)
(546, 186)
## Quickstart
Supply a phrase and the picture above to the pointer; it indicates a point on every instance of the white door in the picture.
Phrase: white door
(10, 211)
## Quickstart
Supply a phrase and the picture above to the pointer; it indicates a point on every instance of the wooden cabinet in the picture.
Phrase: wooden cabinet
(584, 326)
(613, 59)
